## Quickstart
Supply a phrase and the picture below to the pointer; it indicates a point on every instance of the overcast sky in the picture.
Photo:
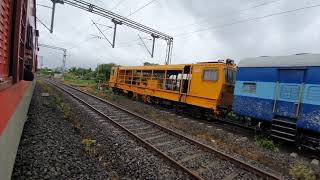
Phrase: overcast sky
(290, 33)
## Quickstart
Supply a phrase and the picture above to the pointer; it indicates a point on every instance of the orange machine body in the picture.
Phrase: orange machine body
(207, 85)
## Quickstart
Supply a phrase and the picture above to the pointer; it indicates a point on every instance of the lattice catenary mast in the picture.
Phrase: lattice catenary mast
(60, 49)
(118, 20)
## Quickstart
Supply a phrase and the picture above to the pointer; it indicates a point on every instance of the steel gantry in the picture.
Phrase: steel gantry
(118, 20)
(59, 49)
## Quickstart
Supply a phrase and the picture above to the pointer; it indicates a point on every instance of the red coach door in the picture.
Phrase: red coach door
(5, 8)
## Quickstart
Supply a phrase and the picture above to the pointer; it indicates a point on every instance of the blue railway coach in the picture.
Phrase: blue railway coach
(283, 94)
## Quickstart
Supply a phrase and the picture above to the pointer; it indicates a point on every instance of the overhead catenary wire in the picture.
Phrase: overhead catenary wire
(260, 5)
(59, 49)
(247, 20)
(121, 45)
(41, 5)
(112, 9)
(43, 24)
(227, 15)
(219, 16)
(120, 20)
(102, 33)
(117, 5)
(111, 15)
(139, 9)
(147, 30)
(82, 42)
(144, 44)
(109, 27)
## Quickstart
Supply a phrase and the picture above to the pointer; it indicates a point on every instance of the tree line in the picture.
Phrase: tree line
(100, 73)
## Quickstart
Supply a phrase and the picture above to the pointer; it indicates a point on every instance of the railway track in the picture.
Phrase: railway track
(196, 159)
(220, 123)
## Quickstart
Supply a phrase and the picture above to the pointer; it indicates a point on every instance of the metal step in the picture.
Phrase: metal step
(283, 133)
(283, 127)
(283, 122)
(310, 147)
(282, 138)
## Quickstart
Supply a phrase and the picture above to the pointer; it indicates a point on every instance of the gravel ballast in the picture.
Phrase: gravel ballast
(50, 147)
(125, 156)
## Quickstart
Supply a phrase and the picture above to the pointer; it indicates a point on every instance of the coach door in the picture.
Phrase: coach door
(289, 92)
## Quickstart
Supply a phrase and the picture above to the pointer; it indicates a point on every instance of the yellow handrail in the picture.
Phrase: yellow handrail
(300, 98)
(276, 97)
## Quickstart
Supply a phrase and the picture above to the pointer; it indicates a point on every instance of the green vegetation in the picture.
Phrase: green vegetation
(87, 77)
(88, 143)
(82, 73)
(77, 81)
(46, 72)
(301, 172)
(266, 143)
(103, 71)
(45, 86)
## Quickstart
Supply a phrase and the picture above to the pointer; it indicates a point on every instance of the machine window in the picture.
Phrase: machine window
(249, 88)
(210, 75)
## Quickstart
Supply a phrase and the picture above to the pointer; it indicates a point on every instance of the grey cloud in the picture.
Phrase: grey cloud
(278, 35)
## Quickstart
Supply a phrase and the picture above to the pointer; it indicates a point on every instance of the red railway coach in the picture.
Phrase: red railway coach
(18, 60)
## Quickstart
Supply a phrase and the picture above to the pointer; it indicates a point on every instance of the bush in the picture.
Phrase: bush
(301, 172)
(100, 77)
(88, 76)
(266, 143)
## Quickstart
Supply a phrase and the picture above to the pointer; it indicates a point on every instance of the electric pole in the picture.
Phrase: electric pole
(64, 57)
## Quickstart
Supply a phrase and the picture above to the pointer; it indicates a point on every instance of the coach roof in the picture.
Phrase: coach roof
(297, 60)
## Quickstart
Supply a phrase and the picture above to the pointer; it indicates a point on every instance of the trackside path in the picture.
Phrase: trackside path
(50, 148)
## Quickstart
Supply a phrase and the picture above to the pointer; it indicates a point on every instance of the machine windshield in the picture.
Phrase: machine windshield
(230, 76)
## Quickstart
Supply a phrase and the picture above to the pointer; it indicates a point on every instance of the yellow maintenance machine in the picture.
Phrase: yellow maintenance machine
(205, 88)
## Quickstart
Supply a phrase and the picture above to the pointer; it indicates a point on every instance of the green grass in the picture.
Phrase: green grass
(266, 143)
(75, 81)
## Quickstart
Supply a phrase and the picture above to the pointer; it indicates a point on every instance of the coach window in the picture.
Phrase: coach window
(210, 75)
(249, 88)
(313, 93)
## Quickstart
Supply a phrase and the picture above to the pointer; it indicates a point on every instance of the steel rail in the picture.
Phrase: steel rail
(217, 121)
(249, 168)
(146, 144)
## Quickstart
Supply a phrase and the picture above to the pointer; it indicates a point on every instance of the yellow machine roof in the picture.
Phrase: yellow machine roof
(167, 67)
(155, 67)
